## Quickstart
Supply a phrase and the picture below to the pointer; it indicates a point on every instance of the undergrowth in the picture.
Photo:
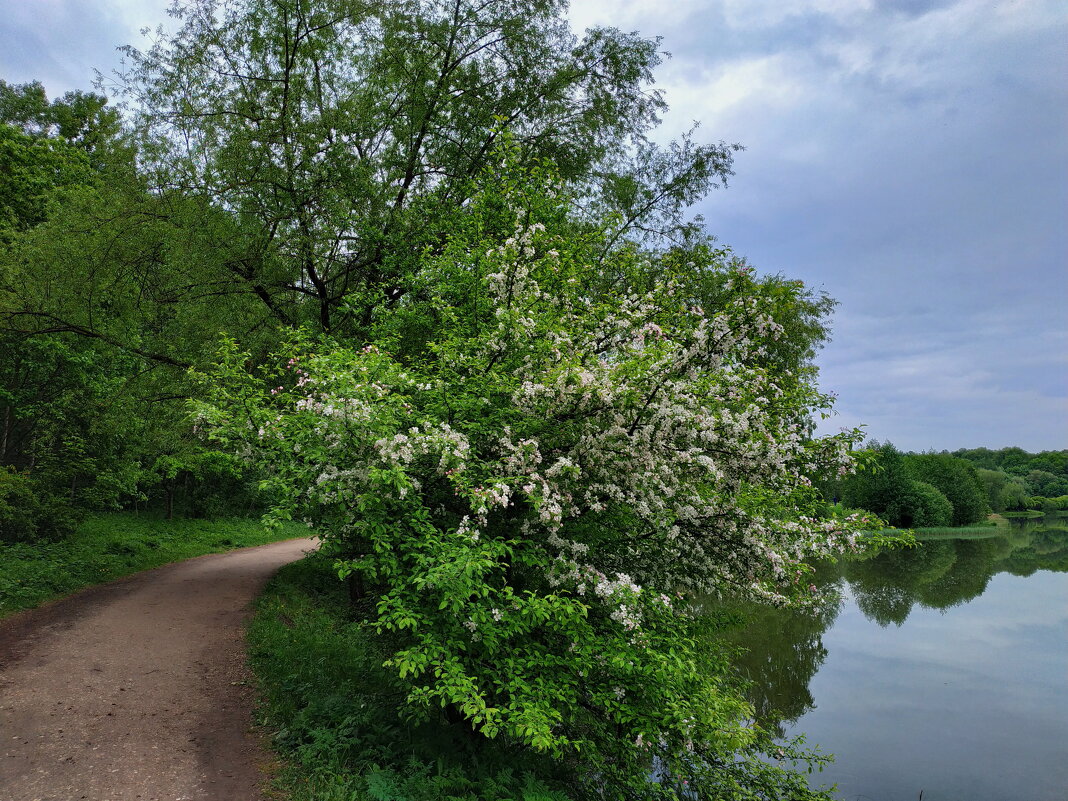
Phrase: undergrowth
(108, 546)
(337, 712)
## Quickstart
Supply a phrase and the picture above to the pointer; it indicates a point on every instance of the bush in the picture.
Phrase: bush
(29, 512)
(957, 479)
(530, 469)
(931, 508)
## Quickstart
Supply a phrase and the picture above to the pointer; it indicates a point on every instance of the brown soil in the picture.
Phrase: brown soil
(137, 689)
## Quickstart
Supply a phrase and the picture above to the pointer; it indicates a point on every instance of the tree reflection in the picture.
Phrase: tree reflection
(781, 650)
(943, 573)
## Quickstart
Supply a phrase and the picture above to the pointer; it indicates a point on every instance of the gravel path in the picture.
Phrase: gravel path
(137, 689)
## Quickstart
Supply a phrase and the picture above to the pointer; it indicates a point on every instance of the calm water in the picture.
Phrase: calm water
(942, 670)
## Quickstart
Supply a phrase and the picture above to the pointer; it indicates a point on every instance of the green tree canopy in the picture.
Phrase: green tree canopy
(932, 507)
(956, 479)
(534, 463)
(78, 118)
(344, 136)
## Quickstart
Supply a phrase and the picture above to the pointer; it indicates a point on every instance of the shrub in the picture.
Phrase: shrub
(931, 508)
(29, 512)
(957, 479)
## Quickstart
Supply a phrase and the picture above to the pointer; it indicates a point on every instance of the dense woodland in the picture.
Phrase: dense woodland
(416, 274)
(933, 490)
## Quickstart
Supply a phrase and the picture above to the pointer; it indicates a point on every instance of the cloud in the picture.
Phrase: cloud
(910, 158)
(62, 42)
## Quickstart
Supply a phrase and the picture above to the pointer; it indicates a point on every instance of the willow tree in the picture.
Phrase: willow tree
(344, 134)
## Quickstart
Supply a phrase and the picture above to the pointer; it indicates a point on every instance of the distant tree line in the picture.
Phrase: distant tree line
(923, 490)
(1016, 480)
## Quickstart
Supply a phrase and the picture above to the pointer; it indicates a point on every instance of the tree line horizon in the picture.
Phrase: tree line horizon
(954, 488)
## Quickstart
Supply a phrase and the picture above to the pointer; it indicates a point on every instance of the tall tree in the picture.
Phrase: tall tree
(343, 134)
(82, 119)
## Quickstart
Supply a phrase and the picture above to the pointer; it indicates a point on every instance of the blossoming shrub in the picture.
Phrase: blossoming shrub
(547, 450)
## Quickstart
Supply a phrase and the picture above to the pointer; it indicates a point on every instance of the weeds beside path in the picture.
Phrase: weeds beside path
(109, 546)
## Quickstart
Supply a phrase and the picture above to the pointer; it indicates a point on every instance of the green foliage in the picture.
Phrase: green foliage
(107, 546)
(78, 118)
(1020, 463)
(29, 512)
(501, 469)
(1015, 496)
(35, 174)
(884, 489)
(342, 176)
(340, 715)
(932, 507)
(956, 479)
(913, 490)
(345, 732)
(106, 295)
(345, 136)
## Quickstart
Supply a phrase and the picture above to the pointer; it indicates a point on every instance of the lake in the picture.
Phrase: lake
(943, 670)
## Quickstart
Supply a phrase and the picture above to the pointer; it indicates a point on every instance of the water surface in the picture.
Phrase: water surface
(943, 670)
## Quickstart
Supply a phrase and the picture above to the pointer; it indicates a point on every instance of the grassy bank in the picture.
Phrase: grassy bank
(108, 546)
(988, 528)
(1034, 514)
(336, 712)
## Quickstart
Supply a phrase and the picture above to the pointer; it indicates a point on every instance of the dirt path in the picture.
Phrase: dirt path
(136, 689)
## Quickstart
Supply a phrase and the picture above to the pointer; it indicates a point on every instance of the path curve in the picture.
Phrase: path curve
(137, 689)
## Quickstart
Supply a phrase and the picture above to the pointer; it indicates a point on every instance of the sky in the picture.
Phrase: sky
(908, 157)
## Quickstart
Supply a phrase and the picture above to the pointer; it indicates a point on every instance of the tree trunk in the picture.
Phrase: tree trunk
(354, 581)
(4, 436)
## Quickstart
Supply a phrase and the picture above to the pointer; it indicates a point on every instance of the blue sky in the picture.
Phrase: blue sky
(910, 157)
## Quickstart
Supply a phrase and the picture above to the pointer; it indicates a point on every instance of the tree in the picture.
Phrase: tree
(343, 136)
(106, 297)
(79, 119)
(34, 176)
(531, 470)
(956, 479)
(1046, 484)
(1014, 496)
(885, 489)
(993, 482)
(932, 507)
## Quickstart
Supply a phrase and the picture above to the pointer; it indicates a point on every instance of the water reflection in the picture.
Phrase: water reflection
(782, 650)
(943, 573)
(779, 653)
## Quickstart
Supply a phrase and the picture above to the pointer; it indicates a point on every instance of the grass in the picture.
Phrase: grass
(991, 527)
(988, 528)
(961, 533)
(108, 546)
(338, 715)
